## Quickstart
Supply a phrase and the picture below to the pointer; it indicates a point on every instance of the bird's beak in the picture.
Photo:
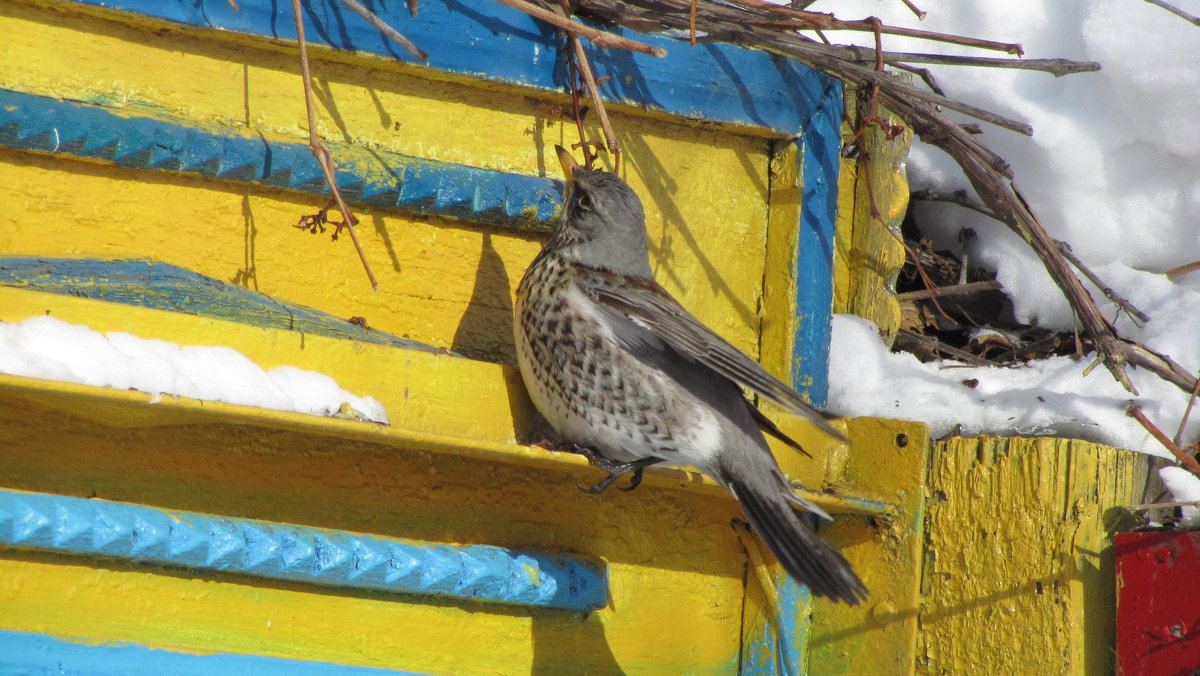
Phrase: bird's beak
(569, 165)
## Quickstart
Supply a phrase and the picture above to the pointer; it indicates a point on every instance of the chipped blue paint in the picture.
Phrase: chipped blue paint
(162, 286)
(39, 654)
(380, 178)
(819, 157)
(483, 39)
(277, 551)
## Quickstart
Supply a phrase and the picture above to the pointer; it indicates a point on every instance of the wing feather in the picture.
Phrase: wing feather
(649, 306)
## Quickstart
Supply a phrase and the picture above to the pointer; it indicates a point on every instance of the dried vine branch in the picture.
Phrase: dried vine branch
(324, 157)
(598, 38)
(383, 27)
(761, 25)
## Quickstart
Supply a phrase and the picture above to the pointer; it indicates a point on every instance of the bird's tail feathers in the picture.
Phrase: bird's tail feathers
(768, 506)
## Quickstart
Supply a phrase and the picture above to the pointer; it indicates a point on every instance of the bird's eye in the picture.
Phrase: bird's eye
(584, 202)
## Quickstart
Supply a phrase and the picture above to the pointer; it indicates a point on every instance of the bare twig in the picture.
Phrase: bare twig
(386, 29)
(957, 289)
(598, 38)
(1184, 459)
(1182, 270)
(958, 197)
(914, 9)
(1139, 317)
(910, 341)
(1187, 412)
(585, 69)
(321, 152)
(1056, 67)
(1195, 21)
(1159, 505)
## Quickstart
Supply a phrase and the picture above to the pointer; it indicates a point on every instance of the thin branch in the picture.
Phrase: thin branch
(1195, 21)
(909, 340)
(958, 197)
(914, 9)
(1138, 315)
(321, 152)
(954, 290)
(387, 30)
(1182, 270)
(1184, 459)
(1159, 505)
(1056, 67)
(598, 38)
(585, 69)
(1187, 412)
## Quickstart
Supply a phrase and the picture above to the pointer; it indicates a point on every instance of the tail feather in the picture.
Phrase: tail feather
(804, 555)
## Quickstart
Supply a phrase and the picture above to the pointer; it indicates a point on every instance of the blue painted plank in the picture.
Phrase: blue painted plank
(483, 39)
(161, 286)
(819, 156)
(41, 655)
(380, 178)
(207, 543)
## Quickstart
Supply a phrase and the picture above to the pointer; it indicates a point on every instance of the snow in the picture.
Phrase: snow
(1185, 486)
(1113, 168)
(51, 349)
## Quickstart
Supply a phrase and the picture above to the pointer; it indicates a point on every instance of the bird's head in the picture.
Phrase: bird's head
(602, 223)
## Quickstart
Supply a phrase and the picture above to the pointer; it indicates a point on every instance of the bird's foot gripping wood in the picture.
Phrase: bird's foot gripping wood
(615, 469)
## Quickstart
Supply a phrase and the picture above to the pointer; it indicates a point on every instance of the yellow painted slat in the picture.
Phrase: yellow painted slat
(441, 283)
(1019, 565)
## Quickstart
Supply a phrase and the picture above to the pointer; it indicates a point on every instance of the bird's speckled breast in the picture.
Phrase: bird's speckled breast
(591, 392)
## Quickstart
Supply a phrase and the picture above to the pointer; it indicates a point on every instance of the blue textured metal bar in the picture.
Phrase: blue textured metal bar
(482, 39)
(34, 654)
(29, 122)
(162, 286)
(285, 552)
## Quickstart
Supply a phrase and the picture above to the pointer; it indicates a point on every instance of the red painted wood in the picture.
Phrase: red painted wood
(1158, 604)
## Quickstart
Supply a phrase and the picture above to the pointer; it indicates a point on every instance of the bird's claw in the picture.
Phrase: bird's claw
(615, 469)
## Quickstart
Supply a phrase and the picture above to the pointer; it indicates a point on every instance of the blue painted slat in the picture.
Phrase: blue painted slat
(277, 551)
(483, 39)
(162, 286)
(820, 147)
(29, 122)
(41, 655)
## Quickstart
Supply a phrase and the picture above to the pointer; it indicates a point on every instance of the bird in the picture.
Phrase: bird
(625, 375)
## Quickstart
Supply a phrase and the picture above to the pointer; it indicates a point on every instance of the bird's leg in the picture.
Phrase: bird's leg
(615, 469)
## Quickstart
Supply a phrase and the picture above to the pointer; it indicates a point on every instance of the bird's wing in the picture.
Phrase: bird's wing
(650, 307)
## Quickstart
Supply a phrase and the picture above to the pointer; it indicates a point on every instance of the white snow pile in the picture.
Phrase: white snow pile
(1113, 168)
(51, 349)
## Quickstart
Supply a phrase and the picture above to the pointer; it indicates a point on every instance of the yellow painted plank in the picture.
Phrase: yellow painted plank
(1019, 566)
(872, 200)
(443, 283)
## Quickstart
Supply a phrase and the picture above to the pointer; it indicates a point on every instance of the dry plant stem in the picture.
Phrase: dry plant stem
(828, 22)
(387, 30)
(319, 151)
(598, 38)
(958, 197)
(1184, 459)
(1195, 21)
(905, 336)
(1139, 317)
(955, 290)
(1056, 67)
(1161, 505)
(1005, 200)
(914, 9)
(585, 69)
(1182, 270)
(692, 20)
(1187, 412)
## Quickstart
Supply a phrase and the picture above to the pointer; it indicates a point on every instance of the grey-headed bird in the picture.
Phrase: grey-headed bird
(625, 375)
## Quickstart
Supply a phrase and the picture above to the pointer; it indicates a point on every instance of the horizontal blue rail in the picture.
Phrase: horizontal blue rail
(483, 39)
(277, 551)
(29, 122)
(41, 655)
